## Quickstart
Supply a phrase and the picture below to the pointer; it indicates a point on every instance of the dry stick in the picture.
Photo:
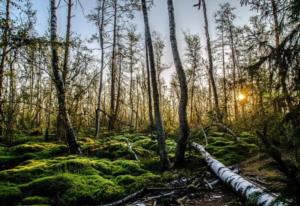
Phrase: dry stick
(126, 199)
(140, 192)
(239, 184)
(159, 196)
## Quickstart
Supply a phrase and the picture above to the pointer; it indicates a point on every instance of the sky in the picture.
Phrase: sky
(188, 19)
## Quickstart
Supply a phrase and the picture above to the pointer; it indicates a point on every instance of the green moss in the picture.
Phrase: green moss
(9, 194)
(76, 165)
(50, 185)
(229, 152)
(35, 200)
(90, 190)
(23, 173)
(145, 143)
(75, 189)
(45, 176)
(133, 183)
(127, 167)
(43, 149)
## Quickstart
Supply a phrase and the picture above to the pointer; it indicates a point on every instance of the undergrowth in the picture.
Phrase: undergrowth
(35, 172)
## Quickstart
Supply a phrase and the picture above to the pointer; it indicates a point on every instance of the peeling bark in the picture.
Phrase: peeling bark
(239, 184)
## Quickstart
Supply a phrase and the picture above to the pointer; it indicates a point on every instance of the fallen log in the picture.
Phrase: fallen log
(246, 189)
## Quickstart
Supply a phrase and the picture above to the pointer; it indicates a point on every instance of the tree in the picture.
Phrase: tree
(150, 110)
(224, 18)
(100, 21)
(184, 127)
(113, 69)
(210, 58)
(193, 58)
(164, 159)
(59, 82)
(5, 39)
(133, 39)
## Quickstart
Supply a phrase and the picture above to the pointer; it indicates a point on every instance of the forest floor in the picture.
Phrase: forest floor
(35, 172)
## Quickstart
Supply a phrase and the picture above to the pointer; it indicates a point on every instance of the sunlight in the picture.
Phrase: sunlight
(241, 97)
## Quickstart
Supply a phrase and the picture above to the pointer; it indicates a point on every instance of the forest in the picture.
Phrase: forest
(204, 111)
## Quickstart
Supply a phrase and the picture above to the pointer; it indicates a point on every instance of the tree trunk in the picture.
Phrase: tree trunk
(60, 131)
(113, 71)
(48, 118)
(149, 89)
(117, 108)
(234, 72)
(240, 185)
(184, 127)
(164, 158)
(210, 61)
(5, 38)
(131, 81)
(10, 114)
(224, 72)
(59, 83)
(101, 40)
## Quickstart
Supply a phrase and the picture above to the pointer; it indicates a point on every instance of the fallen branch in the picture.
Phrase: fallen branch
(145, 190)
(159, 196)
(126, 199)
(227, 129)
(205, 136)
(239, 184)
(131, 150)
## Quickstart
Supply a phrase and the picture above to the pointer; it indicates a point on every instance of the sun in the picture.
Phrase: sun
(241, 97)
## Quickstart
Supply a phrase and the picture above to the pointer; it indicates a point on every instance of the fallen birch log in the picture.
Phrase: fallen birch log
(239, 184)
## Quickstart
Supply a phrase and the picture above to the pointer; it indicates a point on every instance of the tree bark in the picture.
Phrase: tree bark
(210, 61)
(101, 40)
(59, 83)
(113, 71)
(5, 39)
(149, 89)
(164, 158)
(224, 71)
(236, 112)
(184, 127)
(239, 184)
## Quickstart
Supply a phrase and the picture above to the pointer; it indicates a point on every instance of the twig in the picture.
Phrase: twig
(126, 199)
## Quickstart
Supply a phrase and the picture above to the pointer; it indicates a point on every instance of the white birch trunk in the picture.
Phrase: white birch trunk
(239, 184)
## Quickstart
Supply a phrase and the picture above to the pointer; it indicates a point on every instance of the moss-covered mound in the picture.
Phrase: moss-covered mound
(42, 173)
(223, 147)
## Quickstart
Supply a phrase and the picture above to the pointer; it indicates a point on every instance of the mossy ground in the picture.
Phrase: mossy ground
(223, 147)
(35, 172)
